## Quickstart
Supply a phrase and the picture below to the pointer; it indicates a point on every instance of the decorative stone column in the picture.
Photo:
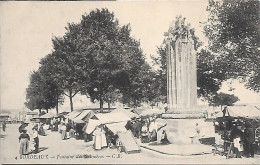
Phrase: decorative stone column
(181, 68)
(182, 115)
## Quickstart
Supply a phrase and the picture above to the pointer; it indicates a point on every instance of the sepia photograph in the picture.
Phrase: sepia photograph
(130, 82)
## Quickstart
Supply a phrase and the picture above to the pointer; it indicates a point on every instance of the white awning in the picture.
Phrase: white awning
(92, 124)
(73, 114)
(112, 117)
(241, 111)
(117, 127)
(126, 111)
(81, 118)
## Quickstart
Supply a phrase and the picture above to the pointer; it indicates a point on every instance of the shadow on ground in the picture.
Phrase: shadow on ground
(40, 150)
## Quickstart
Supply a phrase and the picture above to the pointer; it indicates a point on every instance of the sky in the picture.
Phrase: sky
(26, 30)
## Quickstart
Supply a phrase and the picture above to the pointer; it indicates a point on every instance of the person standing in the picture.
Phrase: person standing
(98, 138)
(36, 140)
(24, 139)
(249, 141)
(103, 137)
(63, 131)
(4, 126)
(144, 133)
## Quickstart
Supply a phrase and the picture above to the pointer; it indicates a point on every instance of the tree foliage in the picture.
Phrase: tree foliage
(234, 38)
(210, 74)
(40, 93)
(97, 57)
(221, 99)
(115, 59)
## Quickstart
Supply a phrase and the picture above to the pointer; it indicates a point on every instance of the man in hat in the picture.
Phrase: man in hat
(23, 126)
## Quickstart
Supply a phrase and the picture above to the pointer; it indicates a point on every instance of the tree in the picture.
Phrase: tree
(210, 74)
(71, 76)
(114, 59)
(39, 94)
(223, 99)
(160, 80)
(48, 71)
(111, 97)
(97, 57)
(234, 38)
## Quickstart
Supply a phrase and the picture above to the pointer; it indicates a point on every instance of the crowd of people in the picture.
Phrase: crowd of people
(148, 129)
(240, 137)
(145, 128)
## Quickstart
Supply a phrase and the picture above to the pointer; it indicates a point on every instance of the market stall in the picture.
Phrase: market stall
(113, 124)
(238, 130)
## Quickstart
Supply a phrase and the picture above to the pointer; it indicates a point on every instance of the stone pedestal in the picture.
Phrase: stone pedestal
(184, 131)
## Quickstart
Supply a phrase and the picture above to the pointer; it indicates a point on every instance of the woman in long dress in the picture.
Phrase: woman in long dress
(24, 139)
(98, 139)
(103, 137)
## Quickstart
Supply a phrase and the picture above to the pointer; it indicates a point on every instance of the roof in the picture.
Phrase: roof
(63, 113)
(117, 127)
(47, 115)
(32, 113)
(245, 111)
(112, 117)
(73, 114)
(83, 116)
(4, 115)
(126, 112)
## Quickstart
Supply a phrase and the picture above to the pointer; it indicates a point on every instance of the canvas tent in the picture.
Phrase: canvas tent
(83, 117)
(116, 117)
(116, 123)
(73, 114)
(108, 119)
(126, 112)
(242, 111)
(63, 114)
(128, 142)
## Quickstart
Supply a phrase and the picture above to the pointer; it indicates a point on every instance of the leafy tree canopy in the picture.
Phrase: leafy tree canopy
(234, 38)
(223, 99)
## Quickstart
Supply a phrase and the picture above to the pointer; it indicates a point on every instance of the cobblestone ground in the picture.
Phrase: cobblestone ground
(54, 150)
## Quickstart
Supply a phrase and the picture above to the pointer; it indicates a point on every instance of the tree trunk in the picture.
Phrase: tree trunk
(71, 103)
(108, 105)
(57, 105)
(40, 111)
(47, 110)
(101, 102)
